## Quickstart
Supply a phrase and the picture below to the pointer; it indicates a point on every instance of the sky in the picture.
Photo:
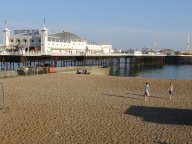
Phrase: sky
(125, 23)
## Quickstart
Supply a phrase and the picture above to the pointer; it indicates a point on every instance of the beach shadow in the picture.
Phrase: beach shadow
(162, 115)
(158, 97)
(143, 95)
(135, 94)
(111, 95)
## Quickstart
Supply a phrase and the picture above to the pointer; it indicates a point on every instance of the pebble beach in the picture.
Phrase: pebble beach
(64, 108)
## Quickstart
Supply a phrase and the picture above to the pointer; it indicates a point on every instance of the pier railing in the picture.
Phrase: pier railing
(39, 53)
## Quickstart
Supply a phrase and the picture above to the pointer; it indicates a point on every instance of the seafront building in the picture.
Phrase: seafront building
(40, 42)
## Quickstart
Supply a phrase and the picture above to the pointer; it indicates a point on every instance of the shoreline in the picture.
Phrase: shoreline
(93, 70)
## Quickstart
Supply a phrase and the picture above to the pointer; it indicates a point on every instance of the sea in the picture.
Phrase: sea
(179, 72)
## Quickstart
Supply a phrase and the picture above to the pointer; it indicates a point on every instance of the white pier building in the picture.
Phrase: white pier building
(40, 42)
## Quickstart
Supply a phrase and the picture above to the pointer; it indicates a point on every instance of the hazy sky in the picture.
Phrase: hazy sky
(125, 23)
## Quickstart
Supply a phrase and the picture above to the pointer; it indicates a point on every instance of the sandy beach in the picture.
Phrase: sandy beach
(65, 108)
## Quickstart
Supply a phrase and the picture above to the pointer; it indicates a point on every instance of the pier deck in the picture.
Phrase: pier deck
(11, 62)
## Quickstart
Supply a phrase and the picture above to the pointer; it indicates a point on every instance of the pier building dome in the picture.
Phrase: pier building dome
(67, 36)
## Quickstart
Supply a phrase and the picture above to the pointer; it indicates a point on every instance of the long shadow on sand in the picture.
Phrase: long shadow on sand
(112, 95)
(162, 115)
(135, 94)
(158, 97)
(143, 95)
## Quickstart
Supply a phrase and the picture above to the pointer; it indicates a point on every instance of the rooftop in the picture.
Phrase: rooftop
(67, 36)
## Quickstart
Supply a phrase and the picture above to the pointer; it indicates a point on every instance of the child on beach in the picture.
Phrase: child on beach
(170, 90)
(146, 90)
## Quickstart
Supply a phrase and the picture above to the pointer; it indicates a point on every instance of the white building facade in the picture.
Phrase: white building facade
(39, 42)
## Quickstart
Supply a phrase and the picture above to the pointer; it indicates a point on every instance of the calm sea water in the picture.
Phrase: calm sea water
(181, 72)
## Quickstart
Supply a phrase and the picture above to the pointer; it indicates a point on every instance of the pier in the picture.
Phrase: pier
(12, 62)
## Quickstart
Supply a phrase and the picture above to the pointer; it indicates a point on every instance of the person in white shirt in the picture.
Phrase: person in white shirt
(146, 90)
(170, 90)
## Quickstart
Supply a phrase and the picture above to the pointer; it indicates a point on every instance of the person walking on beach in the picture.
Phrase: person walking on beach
(170, 90)
(146, 90)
